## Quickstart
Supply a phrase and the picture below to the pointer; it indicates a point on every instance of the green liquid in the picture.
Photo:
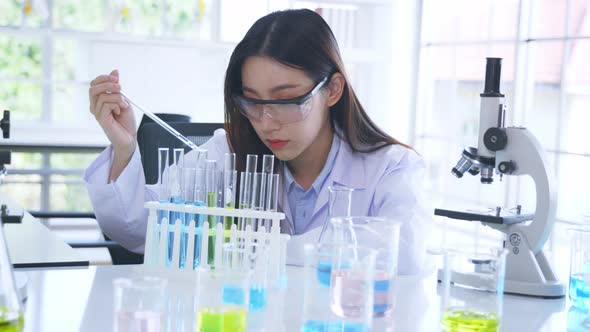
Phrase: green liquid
(10, 321)
(221, 320)
(211, 202)
(458, 320)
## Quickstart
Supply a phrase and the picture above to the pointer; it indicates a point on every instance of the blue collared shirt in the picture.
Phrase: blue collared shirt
(302, 202)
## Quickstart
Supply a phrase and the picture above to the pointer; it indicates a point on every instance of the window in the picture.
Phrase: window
(545, 77)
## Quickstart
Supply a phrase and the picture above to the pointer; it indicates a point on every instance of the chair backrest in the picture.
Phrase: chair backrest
(166, 117)
(151, 136)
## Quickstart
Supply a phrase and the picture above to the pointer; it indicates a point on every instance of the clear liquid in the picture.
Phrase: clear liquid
(579, 292)
(228, 319)
(383, 299)
(333, 326)
(138, 321)
(459, 320)
(347, 293)
(10, 320)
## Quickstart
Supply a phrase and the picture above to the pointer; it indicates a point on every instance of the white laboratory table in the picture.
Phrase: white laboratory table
(31, 244)
(81, 300)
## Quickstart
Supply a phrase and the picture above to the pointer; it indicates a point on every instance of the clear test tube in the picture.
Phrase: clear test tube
(256, 199)
(202, 158)
(229, 162)
(251, 163)
(211, 179)
(268, 162)
(163, 185)
(176, 175)
(245, 190)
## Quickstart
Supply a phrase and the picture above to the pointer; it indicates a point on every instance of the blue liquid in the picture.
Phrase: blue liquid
(173, 217)
(257, 298)
(324, 273)
(233, 295)
(333, 326)
(579, 291)
(381, 291)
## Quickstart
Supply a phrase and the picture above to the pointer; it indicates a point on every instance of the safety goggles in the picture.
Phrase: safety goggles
(283, 111)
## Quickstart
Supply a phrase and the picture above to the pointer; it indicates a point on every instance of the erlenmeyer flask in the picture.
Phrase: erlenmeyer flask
(339, 205)
(11, 313)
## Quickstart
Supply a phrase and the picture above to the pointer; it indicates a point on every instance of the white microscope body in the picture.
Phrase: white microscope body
(513, 151)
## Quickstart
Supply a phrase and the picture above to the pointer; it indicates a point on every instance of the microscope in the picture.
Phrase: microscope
(7, 215)
(512, 151)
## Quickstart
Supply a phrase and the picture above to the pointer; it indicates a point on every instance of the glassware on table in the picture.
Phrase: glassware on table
(381, 234)
(579, 285)
(473, 287)
(222, 300)
(140, 304)
(346, 304)
(11, 311)
(339, 205)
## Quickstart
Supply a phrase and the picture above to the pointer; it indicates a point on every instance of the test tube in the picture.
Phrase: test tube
(268, 162)
(211, 179)
(200, 200)
(163, 161)
(176, 198)
(272, 201)
(188, 194)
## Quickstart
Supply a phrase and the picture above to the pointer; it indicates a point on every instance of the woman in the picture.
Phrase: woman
(287, 94)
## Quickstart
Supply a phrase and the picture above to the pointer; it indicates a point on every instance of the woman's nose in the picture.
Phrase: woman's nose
(268, 123)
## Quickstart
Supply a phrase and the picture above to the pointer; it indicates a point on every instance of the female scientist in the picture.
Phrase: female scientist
(287, 94)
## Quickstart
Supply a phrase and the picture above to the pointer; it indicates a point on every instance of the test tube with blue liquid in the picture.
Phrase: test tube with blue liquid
(579, 285)
(176, 198)
(188, 195)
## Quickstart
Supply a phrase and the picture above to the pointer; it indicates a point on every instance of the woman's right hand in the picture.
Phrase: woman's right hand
(114, 113)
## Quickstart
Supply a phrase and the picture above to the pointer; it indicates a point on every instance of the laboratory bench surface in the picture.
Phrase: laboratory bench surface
(31, 244)
(81, 299)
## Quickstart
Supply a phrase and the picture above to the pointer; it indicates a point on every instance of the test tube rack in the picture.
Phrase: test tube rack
(156, 240)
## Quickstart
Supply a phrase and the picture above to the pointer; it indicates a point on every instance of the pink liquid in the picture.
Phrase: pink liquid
(138, 321)
(348, 294)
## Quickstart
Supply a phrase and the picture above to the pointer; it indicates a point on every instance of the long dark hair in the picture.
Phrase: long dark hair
(300, 39)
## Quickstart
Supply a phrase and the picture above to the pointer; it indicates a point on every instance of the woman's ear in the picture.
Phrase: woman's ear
(335, 88)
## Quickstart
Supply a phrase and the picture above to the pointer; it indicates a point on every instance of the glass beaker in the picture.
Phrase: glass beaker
(381, 234)
(214, 313)
(11, 313)
(579, 285)
(347, 303)
(140, 304)
(339, 205)
(473, 287)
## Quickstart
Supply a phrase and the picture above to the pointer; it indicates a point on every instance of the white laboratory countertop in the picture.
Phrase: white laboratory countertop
(31, 244)
(81, 299)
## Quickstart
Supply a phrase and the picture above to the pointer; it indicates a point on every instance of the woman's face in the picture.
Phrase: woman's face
(266, 79)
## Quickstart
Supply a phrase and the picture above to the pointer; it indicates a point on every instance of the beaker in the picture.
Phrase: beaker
(381, 234)
(473, 287)
(579, 285)
(214, 314)
(347, 303)
(11, 311)
(140, 304)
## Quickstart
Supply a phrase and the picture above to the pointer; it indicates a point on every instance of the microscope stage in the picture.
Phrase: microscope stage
(506, 217)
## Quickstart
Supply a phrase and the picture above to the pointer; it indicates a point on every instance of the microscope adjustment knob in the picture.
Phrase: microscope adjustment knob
(506, 167)
(495, 139)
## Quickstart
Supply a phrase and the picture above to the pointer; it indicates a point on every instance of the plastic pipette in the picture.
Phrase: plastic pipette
(162, 124)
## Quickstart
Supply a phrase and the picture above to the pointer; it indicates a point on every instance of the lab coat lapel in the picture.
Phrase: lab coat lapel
(349, 171)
